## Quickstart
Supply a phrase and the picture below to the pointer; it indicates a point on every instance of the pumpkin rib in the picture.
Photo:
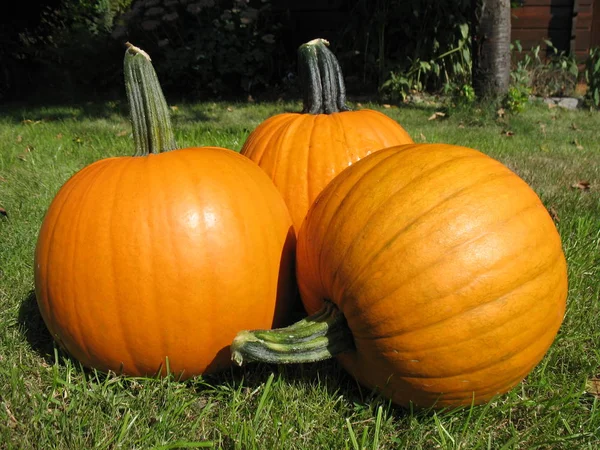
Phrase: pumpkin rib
(274, 135)
(397, 334)
(319, 259)
(448, 254)
(421, 218)
(545, 330)
(117, 181)
(81, 176)
(75, 307)
(367, 220)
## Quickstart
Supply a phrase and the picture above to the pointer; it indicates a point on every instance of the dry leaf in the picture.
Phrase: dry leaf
(577, 144)
(501, 112)
(359, 105)
(553, 213)
(436, 114)
(574, 126)
(122, 133)
(593, 386)
(174, 108)
(23, 156)
(3, 212)
(543, 128)
(423, 138)
(2, 179)
(386, 106)
(229, 108)
(508, 133)
(460, 125)
(582, 185)
(59, 136)
(551, 105)
(19, 138)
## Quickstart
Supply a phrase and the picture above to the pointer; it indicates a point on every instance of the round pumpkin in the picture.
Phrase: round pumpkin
(302, 152)
(444, 268)
(152, 263)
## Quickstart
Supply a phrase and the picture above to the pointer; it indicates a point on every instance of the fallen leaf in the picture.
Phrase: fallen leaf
(461, 125)
(574, 126)
(501, 112)
(59, 136)
(593, 386)
(553, 213)
(551, 105)
(23, 156)
(577, 144)
(582, 185)
(508, 133)
(423, 138)
(359, 105)
(4, 180)
(122, 133)
(19, 138)
(436, 114)
(3, 212)
(543, 128)
(386, 106)
(229, 108)
(174, 108)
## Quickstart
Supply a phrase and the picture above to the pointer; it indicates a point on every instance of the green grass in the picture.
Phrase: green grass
(48, 401)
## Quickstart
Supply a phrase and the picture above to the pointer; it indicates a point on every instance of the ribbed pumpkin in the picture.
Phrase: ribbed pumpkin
(302, 152)
(156, 261)
(441, 270)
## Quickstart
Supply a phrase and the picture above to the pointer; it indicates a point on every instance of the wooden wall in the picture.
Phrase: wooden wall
(572, 26)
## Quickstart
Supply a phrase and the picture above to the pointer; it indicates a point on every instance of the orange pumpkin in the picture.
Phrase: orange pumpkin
(442, 266)
(156, 261)
(302, 152)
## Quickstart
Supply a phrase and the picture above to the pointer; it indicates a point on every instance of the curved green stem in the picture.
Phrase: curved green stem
(150, 118)
(321, 77)
(320, 336)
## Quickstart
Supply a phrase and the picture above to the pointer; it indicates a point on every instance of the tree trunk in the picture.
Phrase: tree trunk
(491, 48)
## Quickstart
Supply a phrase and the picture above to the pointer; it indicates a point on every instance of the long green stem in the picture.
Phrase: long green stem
(320, 336)
(150, 118)
(321, 78)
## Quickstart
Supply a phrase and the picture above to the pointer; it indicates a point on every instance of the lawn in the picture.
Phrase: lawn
(47, 400)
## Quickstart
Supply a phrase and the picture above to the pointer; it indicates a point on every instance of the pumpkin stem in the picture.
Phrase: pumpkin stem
(150, 119)
(321, 78)
(320, 336)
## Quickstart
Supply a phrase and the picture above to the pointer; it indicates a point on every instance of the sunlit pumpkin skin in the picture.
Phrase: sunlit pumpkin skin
(447, 267)
(303, 152)
(167, 255)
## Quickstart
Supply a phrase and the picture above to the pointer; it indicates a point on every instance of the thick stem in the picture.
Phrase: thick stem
(321, 77)
(150, 118)
(320, 336)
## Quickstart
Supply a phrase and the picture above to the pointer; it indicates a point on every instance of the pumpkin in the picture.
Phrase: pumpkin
(152, 263)
(302, 152)
(442, 275)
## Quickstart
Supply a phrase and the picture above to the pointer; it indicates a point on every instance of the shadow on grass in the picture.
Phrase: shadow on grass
(327, 375)
(34, 329)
